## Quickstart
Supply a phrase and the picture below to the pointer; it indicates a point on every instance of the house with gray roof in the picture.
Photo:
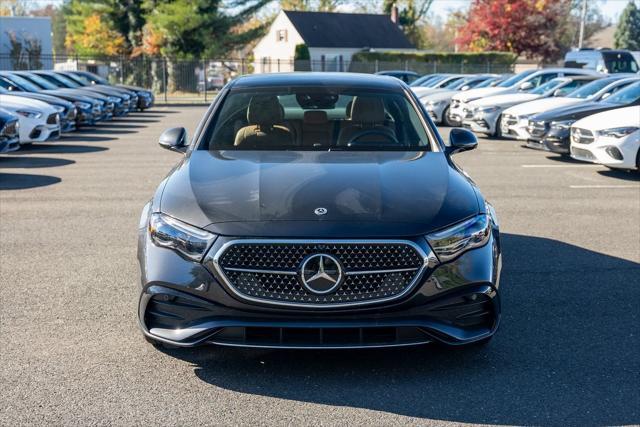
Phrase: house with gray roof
(332, 39)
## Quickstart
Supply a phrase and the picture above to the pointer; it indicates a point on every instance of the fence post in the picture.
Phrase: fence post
(204, 78)
(164, 78)
(242, 70)
(406, 65)
(121, 70)
(377, 66)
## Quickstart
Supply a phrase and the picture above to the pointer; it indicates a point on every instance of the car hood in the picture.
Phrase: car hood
(366, 194)
(619, 117)
(575, 112)
(134, 88)
(45, 98)
(69, 96)
(539, 105)
(424, 91)
(504, 100)
(13, 102)
(473, 94)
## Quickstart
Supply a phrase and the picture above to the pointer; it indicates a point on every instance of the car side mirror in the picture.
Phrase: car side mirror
(461, 140)
(465, 87)
(558, 92)
(605, 95)
(526, 86)
(174, 139)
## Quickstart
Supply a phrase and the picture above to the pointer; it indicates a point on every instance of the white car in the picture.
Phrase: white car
(521, 82)
(39, 121)
(611, 138)
(487, 112)
(440, 84)
(9, 129)
(515, 120)
(437, 103)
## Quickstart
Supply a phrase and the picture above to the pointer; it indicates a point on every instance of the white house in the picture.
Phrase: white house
(32, 37)
(332, 39)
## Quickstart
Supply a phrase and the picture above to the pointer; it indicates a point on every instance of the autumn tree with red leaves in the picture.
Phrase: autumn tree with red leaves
(532, 28)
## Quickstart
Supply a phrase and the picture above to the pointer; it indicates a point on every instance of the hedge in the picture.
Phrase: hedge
(506, 58)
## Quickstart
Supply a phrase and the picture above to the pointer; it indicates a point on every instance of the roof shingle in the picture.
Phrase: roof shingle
(354, 30)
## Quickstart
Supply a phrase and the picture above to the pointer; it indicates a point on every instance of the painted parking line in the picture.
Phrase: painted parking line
(586, 165)
(605, 186)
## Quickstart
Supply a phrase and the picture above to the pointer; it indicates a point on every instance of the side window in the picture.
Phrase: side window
(281, 35)
(546, 77)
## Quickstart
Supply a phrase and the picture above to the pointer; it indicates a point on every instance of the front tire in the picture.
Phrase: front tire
(445, 118)
(159, 344)
(498, 132)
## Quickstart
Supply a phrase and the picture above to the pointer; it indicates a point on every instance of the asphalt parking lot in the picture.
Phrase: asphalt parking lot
(71, 353)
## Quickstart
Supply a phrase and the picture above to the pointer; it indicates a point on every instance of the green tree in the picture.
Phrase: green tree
(627, 34)
(410, 16)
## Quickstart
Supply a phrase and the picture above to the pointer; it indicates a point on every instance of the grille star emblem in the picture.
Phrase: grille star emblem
(321, 274)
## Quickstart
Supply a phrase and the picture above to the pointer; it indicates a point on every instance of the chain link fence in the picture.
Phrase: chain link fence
(194, 81)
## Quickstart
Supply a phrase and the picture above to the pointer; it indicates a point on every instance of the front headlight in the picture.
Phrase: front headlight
(187, 240)
(82, 105)
(469, 234)
(620, 132)
(113, 99)
(32, 114)
(562, 124)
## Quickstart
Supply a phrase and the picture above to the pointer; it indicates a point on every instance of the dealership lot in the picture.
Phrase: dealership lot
(567, 351)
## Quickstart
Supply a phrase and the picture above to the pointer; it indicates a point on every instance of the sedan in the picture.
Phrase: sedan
(39, 121)
(275, 231)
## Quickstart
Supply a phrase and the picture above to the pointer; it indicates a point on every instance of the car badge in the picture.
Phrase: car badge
(320, 211)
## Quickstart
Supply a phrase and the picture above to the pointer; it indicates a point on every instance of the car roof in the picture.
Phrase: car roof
(320, 79)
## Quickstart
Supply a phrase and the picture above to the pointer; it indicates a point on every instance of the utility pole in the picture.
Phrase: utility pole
(583, 16)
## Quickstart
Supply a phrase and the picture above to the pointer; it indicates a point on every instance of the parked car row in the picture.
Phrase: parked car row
(38, 106)
(582, 113)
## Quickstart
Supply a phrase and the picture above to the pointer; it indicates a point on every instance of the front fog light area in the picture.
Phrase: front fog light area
(469, 234)
(189, 241)
(613, 152)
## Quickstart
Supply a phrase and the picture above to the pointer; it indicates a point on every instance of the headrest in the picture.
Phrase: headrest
(264, 110)
(367, 109)
(315, 117)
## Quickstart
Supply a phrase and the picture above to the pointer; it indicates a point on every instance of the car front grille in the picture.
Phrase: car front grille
(269, 272)
(52, 119)
(581, 154)
(537, 128)
(581, 136)
(455, 103)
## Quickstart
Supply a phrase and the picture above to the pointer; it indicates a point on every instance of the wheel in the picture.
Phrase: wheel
(498, 133)
(638, 161)
(445, 118)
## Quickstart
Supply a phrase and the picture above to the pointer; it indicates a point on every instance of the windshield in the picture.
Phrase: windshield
(625, 96)
(91, 77)
(424, 79)
(317, 119)
(590, 89)
(513, 80)
(487, 83)
(77, 79)
(65, 81)
(44, 84)
(452, 83)
(551, 85)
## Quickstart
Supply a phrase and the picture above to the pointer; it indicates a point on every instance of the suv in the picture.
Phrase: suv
(602, 60)
(318, 210)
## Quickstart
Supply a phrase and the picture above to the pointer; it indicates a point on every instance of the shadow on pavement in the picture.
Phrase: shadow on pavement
(100, 130)
(138, 120)
(621, 174)
(566, 353)
(565, 159)
(58, 149)
(80, 136)
(32, 162)
(120, 125)
(21, 181)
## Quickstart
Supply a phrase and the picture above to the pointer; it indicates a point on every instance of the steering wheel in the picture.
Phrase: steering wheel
(366, 132)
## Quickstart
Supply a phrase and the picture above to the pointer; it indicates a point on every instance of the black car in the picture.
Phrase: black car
(145, 97)
(9, 131)
(121, 101)
(101, 107)
(559, 120)
(86, 108)
(318, 210)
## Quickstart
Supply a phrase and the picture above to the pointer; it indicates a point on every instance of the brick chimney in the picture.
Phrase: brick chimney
(394, 14)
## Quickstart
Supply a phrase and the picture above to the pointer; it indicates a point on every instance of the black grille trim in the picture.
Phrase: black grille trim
(393, 271)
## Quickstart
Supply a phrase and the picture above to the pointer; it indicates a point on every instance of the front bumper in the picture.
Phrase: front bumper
(8, 145)
(614, 152)
(185, 303)
(557, 141)
(436, 111)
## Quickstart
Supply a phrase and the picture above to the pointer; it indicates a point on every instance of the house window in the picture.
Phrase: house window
(281, 35)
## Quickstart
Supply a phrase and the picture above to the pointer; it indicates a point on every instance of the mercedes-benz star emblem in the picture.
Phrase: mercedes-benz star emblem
(321, 274)
(320, 211)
